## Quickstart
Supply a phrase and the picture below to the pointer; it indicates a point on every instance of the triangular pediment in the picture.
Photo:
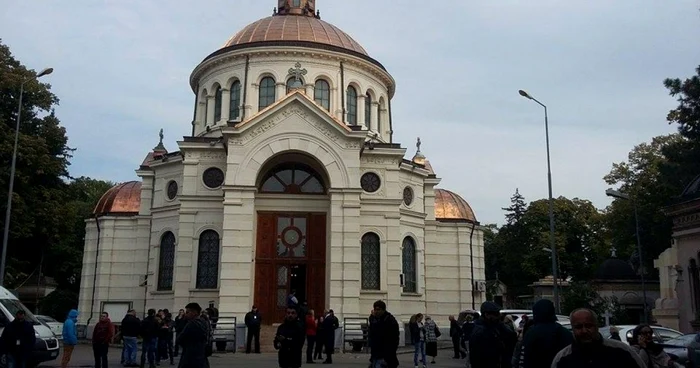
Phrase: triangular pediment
(296, 112)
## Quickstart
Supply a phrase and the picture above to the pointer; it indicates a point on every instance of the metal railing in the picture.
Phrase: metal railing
(356, 335)
(224, 334)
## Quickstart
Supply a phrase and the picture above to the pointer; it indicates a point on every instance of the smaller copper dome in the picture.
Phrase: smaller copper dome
(450, 206)
(122, 199)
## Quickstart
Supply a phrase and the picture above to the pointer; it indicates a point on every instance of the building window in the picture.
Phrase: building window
(292, 178)
(352, 105)
(208, 260)
(322, 94)
(370, 261)
(370, 182)
(407, 196)
(368, 109)
(409, 265)
(166, 264)
(292, 84)
(172, 190)
(379, 117)
(217, 104)
(235, 108)
(213, 177)
(267, 93)
(296, 3)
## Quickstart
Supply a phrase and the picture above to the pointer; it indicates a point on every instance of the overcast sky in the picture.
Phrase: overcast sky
(122, 69)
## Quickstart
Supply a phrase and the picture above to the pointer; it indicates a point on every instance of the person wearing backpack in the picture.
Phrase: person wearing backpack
(491, 343)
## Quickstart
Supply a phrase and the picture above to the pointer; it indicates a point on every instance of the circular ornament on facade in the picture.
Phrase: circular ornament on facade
(172, 190)
(370, 182)
(291, 237)
(407, 196)
(213, 177)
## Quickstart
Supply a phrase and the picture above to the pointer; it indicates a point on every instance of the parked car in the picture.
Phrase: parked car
(46, 346)
(677, 348)
(661, 334)
(55, 326)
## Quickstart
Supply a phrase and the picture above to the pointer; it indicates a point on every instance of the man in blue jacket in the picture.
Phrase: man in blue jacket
(70, 336)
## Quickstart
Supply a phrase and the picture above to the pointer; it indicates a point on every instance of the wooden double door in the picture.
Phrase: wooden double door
(290, 256)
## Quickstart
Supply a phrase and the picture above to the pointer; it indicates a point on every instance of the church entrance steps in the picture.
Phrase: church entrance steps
(267, 338)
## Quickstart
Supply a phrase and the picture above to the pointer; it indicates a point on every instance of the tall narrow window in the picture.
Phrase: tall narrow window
(267, 93)
(370, 261)
(352, 105)
(166, 262)
(322, 94)
(208, 260)
(409, 265)
(235, 109)
(379, 116)
(368, 109)
(217, 104)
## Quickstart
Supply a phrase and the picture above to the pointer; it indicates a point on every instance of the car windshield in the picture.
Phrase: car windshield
(684, 340)
(45, 319)
(13, 305)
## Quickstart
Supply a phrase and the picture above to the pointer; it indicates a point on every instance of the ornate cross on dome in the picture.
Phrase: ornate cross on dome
(297, 72)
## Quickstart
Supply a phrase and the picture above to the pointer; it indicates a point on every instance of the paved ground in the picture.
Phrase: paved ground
(82, 357)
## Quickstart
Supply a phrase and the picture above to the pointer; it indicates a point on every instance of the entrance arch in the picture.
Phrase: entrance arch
(291, 239)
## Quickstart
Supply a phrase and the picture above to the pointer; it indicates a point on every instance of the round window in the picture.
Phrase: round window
(407, 196)
(213, 177)
(172, 190)
(370, 182)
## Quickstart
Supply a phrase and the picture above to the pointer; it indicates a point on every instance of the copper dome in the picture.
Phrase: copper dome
(450, 206)
(122, 199)
(293, 28)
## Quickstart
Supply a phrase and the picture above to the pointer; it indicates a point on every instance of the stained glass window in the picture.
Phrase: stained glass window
(370, 261)
(292, 179)
(368, 109)
(208, 260)
(352, 105)
(235, 107)
(291, 237)
(267, 93)
(167, 261)
(217, 104)
(322, 94)
(409, 265)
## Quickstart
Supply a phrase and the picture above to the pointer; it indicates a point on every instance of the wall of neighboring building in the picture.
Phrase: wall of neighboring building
(688, 245)
(666, 306)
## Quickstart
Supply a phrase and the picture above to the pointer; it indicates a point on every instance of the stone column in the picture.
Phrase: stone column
(237, 252)
(361, 112)
(210, 110)
(344, 253)
(373, 123)
(185, 258)
(253, 100)
(281, 91)
(225, 105)
(201, 111)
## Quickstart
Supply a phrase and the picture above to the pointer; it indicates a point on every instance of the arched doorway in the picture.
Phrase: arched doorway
(291, 206)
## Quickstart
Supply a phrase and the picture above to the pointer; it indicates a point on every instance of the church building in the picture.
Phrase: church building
(290, 180)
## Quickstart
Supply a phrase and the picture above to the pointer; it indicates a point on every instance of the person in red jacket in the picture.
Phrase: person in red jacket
(311, 328)
(101, 338)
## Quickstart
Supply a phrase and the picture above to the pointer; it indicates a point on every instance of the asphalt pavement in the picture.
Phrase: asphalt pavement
(82, 357)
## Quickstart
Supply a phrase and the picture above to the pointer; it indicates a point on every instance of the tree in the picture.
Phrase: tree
(42, 165)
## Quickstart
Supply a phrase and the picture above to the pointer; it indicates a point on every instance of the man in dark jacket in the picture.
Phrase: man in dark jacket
(252, 321)
(330, 324)
(289, 340)
(130, 330)
(149, 333)
(545, 338)
(194, 339)
(17, 341)
(383, 337)
(491, 343)
(455, 335)
(180, 322)
(591, 350)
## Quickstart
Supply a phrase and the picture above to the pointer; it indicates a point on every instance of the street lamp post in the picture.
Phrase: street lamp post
(617, 194)
(8, 210)
(552, 245)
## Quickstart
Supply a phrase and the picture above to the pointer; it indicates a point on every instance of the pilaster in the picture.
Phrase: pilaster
(225, 104)
(281, 90)
(373, 121)
(361, 99)
(210, 110)
(344, 272)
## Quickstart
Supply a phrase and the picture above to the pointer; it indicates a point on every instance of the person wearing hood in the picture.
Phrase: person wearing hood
(17, 341)
(102, 336)
(194, 339)
(545, 338)
(491, 343)
(70, 337)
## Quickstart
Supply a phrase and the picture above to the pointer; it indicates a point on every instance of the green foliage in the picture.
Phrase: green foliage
(584, 295)
(58, 303)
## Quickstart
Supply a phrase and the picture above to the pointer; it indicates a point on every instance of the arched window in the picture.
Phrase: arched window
(292, 178)
(408, 254)
(370, 261)
(292, 83)
(352, 105)
(166, 263)
(235, 107)
(368, 109)
(322, 94)
(217, 104)
(267, 93)
(208, 260)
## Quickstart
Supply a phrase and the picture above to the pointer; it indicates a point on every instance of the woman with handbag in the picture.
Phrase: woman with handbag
(432, 332)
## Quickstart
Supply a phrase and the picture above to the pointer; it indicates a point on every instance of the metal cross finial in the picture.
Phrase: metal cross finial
(613, 252)
(418, 143)
(161, 135)
(297, 72)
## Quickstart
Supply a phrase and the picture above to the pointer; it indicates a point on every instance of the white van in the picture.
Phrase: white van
(46, 346)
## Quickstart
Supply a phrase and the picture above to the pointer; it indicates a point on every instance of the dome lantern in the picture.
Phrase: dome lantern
(297, 7)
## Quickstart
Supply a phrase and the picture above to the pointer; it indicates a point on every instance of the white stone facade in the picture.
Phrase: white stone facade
(449, 256)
